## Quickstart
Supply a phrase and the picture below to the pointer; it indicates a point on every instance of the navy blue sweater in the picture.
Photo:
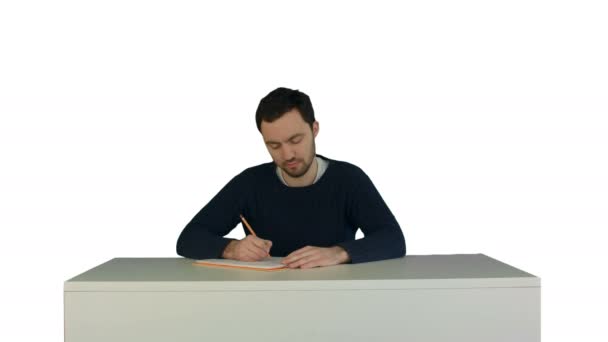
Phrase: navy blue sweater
(324, 214)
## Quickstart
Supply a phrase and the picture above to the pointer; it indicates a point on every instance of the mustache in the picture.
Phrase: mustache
(290, 161)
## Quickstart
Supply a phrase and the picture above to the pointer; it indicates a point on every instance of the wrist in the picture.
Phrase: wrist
(343, 256)
(228, 250)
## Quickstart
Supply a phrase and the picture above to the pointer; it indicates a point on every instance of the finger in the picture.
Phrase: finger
(312, 264)
(291, 258)
(304, 263)
(322, 259)
(294, 258)
(262, 244)
(254, 241)
(248, 256)
(257, 252)
(245, 255)
(295, 255)
(313, 257)
(245, 251)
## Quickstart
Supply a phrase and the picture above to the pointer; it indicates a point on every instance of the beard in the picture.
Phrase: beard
(304, 166)
(298, 172)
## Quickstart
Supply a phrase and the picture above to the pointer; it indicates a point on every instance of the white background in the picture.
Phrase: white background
(482, 124)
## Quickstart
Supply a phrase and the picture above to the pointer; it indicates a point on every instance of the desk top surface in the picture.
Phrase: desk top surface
(414, 271)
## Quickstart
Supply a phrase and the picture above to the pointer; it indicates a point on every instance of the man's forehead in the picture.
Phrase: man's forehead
(281, 136)
(285, 127)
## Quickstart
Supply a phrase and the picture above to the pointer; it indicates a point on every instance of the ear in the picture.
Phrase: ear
(315, 129)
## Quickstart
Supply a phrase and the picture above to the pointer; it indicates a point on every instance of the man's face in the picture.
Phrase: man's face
(291, 142)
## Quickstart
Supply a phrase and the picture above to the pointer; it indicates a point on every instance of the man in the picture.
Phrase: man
(303, 207)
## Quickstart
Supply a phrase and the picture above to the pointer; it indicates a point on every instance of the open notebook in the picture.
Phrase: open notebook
(268, 264)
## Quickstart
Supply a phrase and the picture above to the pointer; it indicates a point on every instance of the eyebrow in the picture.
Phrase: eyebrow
(290, 138)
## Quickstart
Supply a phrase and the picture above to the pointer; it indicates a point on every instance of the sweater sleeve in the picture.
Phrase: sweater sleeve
(383, 237)
(202, 238)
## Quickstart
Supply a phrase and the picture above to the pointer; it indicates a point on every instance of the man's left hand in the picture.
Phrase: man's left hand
(309, 256)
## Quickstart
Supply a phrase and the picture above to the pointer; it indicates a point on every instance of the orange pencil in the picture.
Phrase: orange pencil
(248, 226)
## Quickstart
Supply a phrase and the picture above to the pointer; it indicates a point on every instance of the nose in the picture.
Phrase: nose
(287, 153)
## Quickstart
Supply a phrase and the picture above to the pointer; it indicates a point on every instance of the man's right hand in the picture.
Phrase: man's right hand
(251, 248)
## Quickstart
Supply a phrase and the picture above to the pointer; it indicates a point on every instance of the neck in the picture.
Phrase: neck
(305, 180)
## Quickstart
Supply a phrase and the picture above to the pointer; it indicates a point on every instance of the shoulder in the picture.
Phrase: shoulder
(249, 179)
(256, 173)
(345, 170)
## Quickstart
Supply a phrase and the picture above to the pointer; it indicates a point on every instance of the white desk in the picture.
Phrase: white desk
(416, 298)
